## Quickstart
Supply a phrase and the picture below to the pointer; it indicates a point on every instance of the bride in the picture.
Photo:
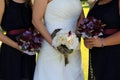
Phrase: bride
(57, 14)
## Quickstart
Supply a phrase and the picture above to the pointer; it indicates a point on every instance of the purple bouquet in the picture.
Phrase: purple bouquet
(30, 42)
(90, 27)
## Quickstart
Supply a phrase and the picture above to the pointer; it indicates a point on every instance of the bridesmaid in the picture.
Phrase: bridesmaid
(105, 50)
(15, 18)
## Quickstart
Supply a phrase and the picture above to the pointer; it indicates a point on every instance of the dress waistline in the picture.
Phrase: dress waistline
(110, 31)
(16, 31)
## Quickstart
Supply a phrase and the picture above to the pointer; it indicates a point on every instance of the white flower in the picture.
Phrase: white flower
(63, 37)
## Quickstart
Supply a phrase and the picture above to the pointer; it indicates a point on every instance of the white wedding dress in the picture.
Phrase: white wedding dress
(51, 65)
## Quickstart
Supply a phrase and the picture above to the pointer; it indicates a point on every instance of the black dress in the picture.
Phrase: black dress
(105, 61)
(16, 65)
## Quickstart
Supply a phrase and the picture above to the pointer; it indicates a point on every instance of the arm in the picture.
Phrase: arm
(4, 38)
(115, 38)
(108, 41)
(112, 40)
(82, 16)
(39, 8)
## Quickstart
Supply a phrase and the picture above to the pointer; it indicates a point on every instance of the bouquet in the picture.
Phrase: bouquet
(65, 42)
(90, 27)
(30, 42)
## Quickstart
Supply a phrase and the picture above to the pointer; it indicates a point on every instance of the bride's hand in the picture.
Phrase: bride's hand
(56, 49)
(63, 50)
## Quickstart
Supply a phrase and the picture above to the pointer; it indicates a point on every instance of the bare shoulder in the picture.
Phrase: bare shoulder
(39, 7)
(40, 3)
(2, 4)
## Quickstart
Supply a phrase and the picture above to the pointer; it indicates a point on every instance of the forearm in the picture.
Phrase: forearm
(43, 31)
(8, 41)
(78, 24)
(39, 9)
(4, 38)
(80, 18)
(112, 40)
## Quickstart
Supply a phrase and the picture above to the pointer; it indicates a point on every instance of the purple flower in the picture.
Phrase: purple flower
(27, 33)
(36, 40)
(30, 41)
(90, 27)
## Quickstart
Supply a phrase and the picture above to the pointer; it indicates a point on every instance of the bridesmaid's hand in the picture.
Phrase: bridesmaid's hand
(87, 43)
(95, 42)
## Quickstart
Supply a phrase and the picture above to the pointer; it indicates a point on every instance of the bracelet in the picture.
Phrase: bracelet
(102, 42)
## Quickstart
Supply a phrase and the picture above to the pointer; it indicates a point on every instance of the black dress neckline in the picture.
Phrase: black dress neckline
(18, 2)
